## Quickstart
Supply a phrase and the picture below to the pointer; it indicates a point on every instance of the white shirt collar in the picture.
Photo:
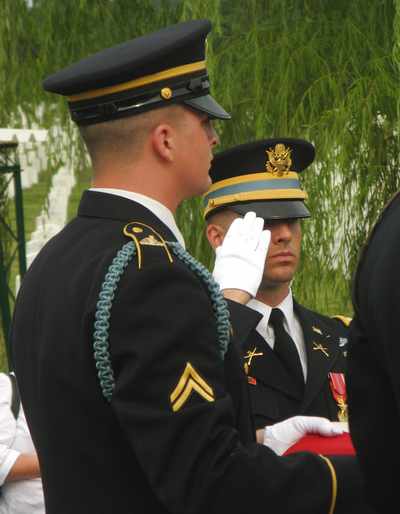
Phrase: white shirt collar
(291, 324)
(157, 208)
(286, 306)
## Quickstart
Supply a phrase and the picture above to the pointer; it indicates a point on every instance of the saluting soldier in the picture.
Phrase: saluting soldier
(135, 396)
(295, 358)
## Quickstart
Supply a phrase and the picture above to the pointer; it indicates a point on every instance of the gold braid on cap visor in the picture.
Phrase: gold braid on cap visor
(141, 81)
(255, 186)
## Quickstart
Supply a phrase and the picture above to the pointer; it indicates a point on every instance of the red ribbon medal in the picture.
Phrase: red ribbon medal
(338, 388)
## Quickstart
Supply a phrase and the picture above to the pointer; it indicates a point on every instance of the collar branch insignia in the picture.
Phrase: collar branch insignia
(317, 330)
(250, 354)
(279, 160)
(190, 381)
(321, 348)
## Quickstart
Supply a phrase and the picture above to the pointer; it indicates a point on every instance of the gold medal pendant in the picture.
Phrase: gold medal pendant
(338, 387)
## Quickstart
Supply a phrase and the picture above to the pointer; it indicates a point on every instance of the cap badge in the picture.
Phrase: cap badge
(279, 161)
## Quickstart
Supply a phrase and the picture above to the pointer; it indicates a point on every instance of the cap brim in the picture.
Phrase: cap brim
(208, 105)
(273, 209)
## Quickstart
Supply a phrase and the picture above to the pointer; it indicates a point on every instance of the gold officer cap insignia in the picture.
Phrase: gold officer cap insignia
(190, 381)
(279, 160)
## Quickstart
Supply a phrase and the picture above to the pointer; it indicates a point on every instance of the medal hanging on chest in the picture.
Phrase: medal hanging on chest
(338, 387)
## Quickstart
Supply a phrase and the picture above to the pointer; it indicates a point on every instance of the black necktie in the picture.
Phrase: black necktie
(285, 348)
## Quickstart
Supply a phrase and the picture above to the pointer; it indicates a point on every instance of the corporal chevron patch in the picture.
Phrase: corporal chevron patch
(190, 381)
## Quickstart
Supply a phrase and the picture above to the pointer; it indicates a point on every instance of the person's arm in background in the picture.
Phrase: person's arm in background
(14, 465)
(25, 467)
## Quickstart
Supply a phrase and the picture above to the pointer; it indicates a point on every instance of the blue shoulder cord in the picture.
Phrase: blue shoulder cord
(106, 297)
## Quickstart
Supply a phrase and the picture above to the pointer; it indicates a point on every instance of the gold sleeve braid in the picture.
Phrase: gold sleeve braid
(334, 484)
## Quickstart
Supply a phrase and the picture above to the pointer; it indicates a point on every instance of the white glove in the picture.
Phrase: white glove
(283, 435)
(240, 260)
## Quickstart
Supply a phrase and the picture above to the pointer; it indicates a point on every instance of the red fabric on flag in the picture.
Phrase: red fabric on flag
(336, 445)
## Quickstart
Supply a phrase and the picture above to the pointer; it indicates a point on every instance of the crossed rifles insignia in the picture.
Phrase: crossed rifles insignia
(318, 346)
(249, 357)
(190, 381)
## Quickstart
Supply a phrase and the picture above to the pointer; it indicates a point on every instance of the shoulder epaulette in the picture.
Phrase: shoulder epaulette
(144, 235)
(344, 319)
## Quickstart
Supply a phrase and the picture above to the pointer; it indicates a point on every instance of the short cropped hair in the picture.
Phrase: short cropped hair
(125, 136)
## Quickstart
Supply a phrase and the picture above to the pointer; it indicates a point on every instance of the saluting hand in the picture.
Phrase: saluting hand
(240, 260)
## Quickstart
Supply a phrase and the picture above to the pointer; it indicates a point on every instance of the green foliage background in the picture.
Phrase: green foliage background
(323, 70)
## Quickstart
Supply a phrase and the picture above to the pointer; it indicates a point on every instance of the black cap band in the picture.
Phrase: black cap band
(133, 102)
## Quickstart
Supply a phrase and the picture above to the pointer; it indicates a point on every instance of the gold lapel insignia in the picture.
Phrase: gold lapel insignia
(317, 330)
(190, 380)
(249, 356)
(150, 241)
(321, 348)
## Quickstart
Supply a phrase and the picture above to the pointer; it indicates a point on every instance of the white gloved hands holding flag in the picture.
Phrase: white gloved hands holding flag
(240, 260)
(281, 436)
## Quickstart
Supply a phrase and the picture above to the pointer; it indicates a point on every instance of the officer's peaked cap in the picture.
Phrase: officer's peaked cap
(261, 176)
(151, 71)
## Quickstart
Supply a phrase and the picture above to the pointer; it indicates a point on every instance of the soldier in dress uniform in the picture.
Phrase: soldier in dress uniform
(372, 374)
(263, 177)
(134, 393)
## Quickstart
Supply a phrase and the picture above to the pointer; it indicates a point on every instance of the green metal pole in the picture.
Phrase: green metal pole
(9, 164)
(19, 214)
(5, 306)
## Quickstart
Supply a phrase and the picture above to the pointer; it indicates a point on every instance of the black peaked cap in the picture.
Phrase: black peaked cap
(144, 73)
(250, 157)
(245, 178)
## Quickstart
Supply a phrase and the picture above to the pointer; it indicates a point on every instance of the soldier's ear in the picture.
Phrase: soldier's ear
(215, 234)
(163, 141)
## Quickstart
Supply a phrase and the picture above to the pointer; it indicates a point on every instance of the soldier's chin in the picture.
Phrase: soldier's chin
(277, 280)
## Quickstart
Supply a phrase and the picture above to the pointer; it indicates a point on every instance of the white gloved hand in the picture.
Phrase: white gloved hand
(283, 435)
(240, 260)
